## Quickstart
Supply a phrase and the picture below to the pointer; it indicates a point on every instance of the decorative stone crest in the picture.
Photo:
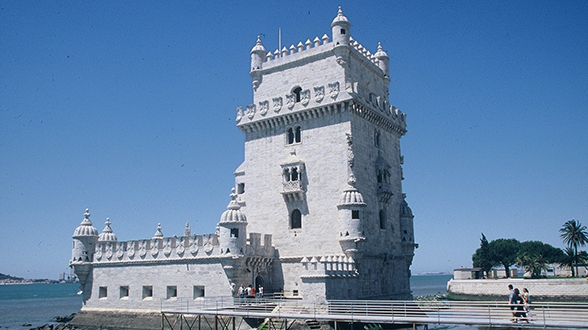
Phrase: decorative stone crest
(263, 107)
(120, 250)
(334, 90)
(250, 111)
(290, 100)
(319, 93)
(305, 96)
(277, 104)
(131, 250)
(239, 114)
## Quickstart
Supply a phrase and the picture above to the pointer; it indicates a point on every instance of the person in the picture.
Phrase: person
(520, 310)
(527, 302)
(511, 301)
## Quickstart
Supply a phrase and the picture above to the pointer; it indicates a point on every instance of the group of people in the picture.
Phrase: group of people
(519, 304)
(249, 291)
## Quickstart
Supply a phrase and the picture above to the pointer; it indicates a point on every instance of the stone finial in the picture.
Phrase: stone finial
(158, 233)
(187, 231)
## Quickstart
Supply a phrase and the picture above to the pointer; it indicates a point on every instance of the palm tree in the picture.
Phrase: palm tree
(574, 235)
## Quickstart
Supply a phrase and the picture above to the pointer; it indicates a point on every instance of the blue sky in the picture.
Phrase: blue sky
(127, 108)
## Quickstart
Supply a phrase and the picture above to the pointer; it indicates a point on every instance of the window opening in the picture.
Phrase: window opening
(290, 134)
(297, 91)
(124, 292)
(297, 138)
(172, 292)
(296, 219)
(147, 292)
(342, 31)
(354, 214)
(102, 292)
(235, 232)
(198, 291)
(241, 188)
(382, 219)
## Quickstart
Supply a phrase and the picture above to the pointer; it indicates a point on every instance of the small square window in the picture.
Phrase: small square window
(354, 214)
(102, 292)
(295, 293)
(241, 188)
(235, 232)
(172, 292)
(342, 31)
(198, 291)
(147, 291)
(124, 292)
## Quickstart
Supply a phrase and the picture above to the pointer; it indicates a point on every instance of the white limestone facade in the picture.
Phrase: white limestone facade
(317, 211)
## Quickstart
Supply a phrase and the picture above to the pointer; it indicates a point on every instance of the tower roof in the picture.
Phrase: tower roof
(258, 46)
(380, 53)
(86, 228)
(233, 212)
(340, 18)
(405, 210)
(107, 234)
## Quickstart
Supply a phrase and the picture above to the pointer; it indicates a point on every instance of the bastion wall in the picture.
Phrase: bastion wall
(539, 290)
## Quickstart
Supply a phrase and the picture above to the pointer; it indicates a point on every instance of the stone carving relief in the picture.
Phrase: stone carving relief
(251, 111)
(290, 100)
(277, 104)
(154, 248)
(305, 97)
(167, 248)
(142, 249)
(120, 250)
(109, 252)
(131, 250)
(194, 247)
(181, 248)
(319, 93)
(334, 90)
(263, 107)
(239, 114)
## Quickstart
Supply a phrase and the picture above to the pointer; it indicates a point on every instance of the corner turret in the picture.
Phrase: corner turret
(85, 238)
(258, 54)
(107, 235)
(232, 228)
(340, 29)
(383, 61)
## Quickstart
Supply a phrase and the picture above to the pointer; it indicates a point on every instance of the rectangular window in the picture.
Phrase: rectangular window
(354, 214)
(241, 188)
(198, 291)
(124, 292)
(147, 291)
(295, 293)
(102, 292)
(235, 232)
(172, 292)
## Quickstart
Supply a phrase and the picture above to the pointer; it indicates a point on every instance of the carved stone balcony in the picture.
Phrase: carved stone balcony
(293, 191)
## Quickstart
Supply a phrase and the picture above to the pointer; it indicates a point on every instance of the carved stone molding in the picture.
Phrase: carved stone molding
(239, 114)
(334, 90)
(290, 100)
(277, 104)
(263, 107)
(251, 111)
(319, 93)
(305, 96)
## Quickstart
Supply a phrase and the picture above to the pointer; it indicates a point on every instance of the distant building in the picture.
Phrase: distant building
(317, 211)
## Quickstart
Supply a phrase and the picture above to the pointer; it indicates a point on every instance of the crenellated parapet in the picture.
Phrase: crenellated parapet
(174, 249)
(328, 266)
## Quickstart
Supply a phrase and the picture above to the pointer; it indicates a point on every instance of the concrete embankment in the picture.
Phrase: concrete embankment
(540, 290)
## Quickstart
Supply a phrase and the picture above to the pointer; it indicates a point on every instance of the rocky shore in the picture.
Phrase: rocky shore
(62, 324)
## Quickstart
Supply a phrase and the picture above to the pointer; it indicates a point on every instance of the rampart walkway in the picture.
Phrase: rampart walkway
(542, 315)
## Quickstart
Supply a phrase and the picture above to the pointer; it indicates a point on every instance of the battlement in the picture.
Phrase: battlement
(175, 248)
(328, 266)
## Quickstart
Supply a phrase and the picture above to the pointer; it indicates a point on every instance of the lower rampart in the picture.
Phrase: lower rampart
(539, 290)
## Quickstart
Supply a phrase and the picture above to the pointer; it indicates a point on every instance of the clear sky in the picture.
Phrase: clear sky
(128, 108)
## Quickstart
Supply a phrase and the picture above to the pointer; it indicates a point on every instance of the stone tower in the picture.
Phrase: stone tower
(323, 169)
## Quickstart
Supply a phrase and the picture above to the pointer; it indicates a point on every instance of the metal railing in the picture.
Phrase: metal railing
(492, 313)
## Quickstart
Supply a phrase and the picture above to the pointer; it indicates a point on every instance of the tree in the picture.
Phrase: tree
(482, 256)
(574, 234)
(534, 256)
(504, 251)
(570, 259)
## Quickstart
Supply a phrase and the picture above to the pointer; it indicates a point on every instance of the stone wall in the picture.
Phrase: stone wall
(540, 290)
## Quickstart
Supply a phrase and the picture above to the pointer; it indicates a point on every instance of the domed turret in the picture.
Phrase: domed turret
(258, 54)
(340, 29)
(107, 235)
(351, 212)
(383, 60)
(232, 228)
(85, 238)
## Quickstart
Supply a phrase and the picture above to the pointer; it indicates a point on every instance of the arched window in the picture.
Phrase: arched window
(293, 135)
(286, 175)
(235, 232)
(296, 219)
(297, 91)
(294, 174)
(377, 138)
(382, 219)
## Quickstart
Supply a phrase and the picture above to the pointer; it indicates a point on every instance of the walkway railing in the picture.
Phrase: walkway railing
(546, 315)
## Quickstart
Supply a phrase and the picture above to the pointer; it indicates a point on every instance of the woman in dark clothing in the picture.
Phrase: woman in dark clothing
(520, 310)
